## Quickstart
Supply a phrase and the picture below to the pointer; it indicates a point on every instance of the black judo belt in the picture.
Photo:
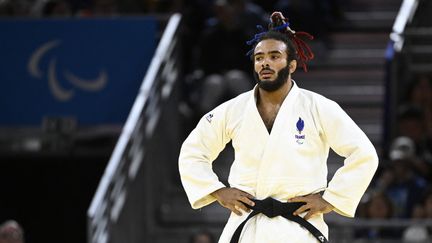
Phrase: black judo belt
(272, 208)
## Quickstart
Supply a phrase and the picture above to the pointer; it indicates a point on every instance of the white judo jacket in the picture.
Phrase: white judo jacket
(290, 161)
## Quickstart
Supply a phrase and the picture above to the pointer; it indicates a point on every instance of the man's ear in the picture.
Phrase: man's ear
(292, 66)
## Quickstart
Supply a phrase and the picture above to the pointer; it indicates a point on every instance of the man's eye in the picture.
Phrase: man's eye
(275, 57)
(258, 58)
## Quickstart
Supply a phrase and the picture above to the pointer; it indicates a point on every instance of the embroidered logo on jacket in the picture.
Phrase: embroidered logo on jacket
(209, 117)
(300, 126)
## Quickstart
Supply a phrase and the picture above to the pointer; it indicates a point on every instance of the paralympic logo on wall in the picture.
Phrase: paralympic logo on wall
(58, 91)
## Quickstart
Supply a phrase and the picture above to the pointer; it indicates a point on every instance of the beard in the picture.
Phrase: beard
(270, 86)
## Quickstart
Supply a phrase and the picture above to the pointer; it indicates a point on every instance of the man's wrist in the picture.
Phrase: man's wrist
(215, 194)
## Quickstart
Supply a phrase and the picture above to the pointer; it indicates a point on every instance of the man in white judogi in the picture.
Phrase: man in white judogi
(281, 136)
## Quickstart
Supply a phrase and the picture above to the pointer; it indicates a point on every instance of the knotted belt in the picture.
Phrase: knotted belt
(272, 208)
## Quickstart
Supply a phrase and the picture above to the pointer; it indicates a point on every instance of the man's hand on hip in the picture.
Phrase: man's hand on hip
(315, 204)
(234, 199)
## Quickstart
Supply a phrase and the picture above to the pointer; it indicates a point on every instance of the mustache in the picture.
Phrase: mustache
(266, 69)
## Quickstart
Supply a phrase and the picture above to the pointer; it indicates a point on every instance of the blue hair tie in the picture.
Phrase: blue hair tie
(281, 26)
(256, 38)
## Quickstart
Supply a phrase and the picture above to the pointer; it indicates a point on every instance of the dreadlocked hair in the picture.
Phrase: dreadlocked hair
(278, 29)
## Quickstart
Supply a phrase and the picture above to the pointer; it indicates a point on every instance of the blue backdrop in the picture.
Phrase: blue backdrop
(90, 69)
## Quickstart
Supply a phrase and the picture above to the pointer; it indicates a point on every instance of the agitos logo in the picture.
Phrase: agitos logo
(59, 92)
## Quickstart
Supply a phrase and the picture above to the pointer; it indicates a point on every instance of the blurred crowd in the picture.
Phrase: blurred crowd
(83, 8)
(402, 188)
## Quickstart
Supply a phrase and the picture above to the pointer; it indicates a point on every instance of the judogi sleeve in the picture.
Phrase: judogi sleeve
(197, 153)
(349, 183)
